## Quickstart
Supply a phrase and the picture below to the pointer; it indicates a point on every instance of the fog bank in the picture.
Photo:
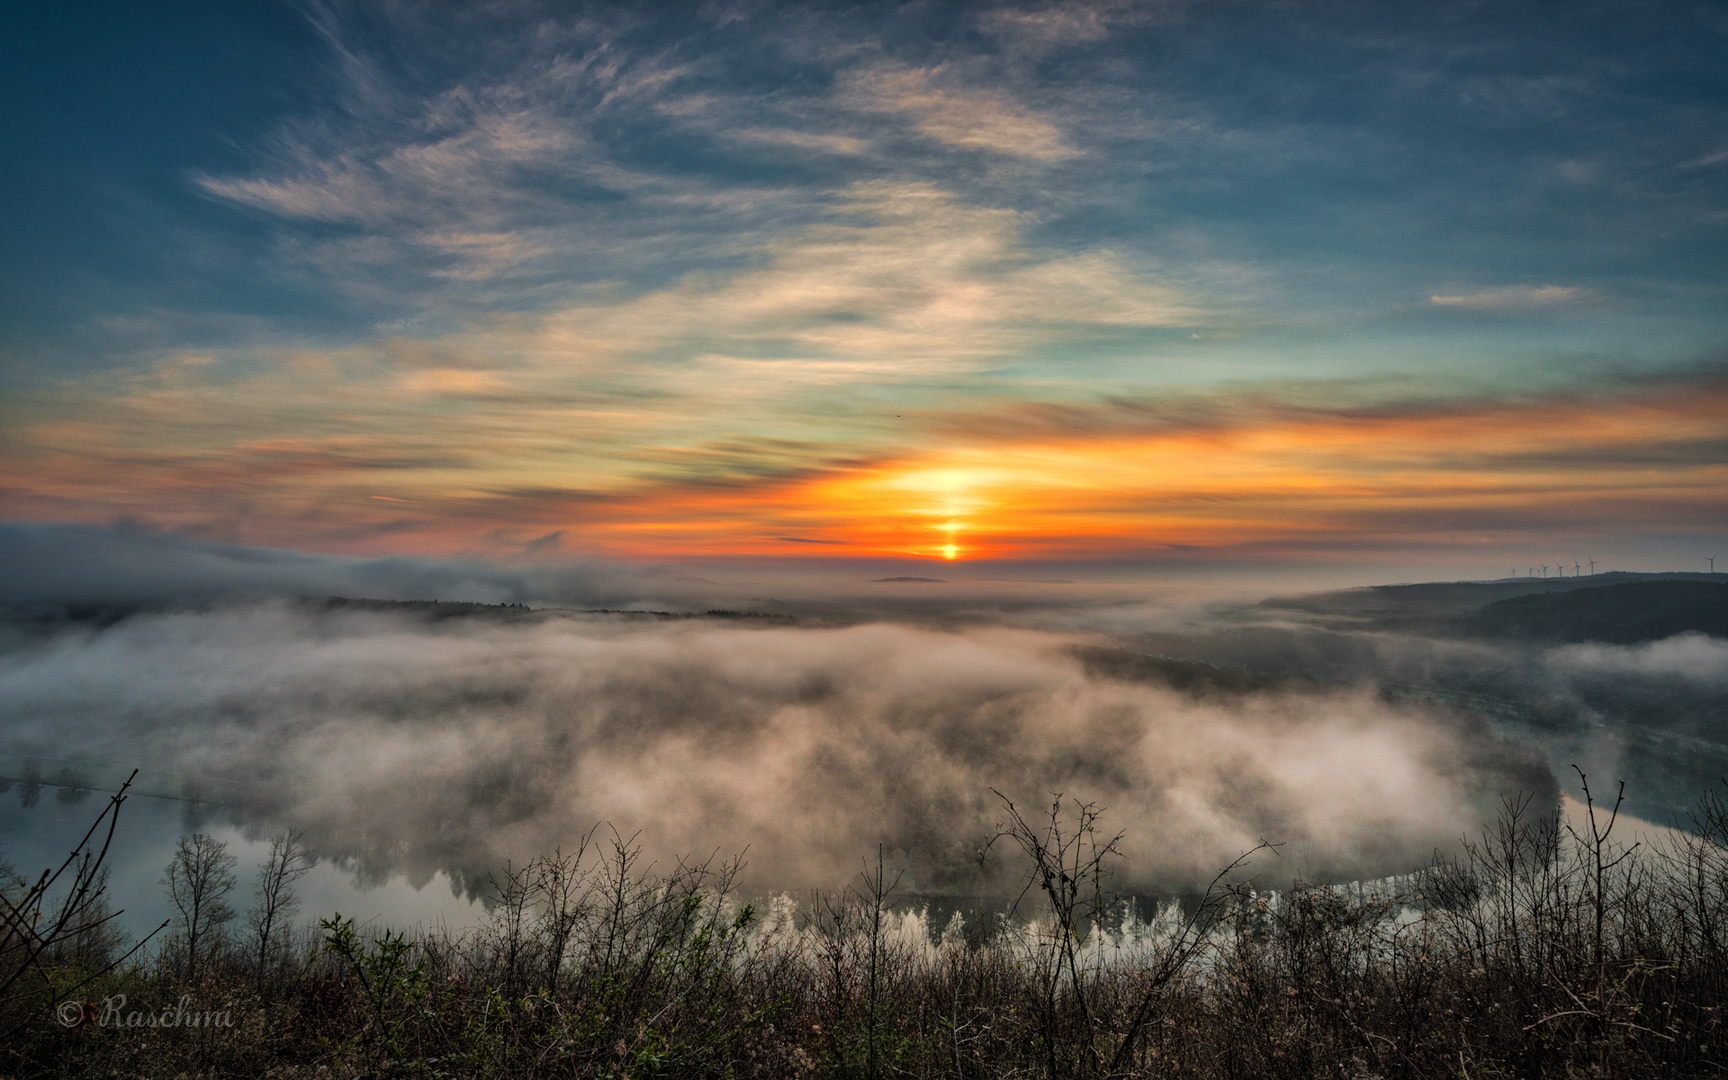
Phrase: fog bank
(406, 744)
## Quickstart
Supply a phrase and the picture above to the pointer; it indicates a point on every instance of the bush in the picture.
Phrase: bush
(1537, 951)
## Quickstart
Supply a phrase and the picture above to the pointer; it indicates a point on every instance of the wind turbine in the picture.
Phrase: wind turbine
(1544, 571)
(1532, 571)
(1592, 567)
(1575, 566)
(1711, 559)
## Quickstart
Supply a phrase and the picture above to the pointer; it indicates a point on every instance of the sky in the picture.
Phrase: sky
(1437, 288)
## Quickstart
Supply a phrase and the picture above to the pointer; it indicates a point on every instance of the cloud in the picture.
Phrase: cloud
(1039, 29)
(460, 174)
(407, 744)
(906, 285)
(624, 263)
(803, 140)
(1049, 26)
(493, 159)
(1249, 474)
(1511, 297)
(960, 117)
(906, 275)
(637, 464)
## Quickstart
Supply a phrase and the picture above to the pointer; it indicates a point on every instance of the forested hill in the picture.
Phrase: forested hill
(1617, 614)
(1612, 607)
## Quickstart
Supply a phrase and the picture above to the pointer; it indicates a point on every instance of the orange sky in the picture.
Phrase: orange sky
(1267, 480)
(1020, 481)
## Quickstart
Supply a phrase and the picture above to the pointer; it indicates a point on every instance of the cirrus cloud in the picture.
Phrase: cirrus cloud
(1511, 297)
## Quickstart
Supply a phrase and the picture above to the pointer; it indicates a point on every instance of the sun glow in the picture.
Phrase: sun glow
(1297, 480)
(1099, 484)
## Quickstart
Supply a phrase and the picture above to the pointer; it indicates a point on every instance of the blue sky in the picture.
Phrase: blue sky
(679, 280)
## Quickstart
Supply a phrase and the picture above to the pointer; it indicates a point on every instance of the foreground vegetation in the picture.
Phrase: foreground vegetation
(1540, 951)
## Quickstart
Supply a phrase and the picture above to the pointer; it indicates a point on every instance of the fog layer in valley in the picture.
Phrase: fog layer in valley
(1361, 730)
(1651, 714)
(410, 743)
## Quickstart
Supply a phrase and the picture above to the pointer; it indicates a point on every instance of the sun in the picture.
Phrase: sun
(950, 551)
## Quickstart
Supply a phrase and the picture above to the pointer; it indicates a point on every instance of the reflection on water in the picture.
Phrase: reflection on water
(38, 832)
(74, 779)
(46, 805)
(38, 829)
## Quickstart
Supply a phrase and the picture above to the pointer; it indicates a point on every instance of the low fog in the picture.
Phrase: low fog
(406, 743)
(49, 568)
(133, 566)
(838, 716)
(1650, 714)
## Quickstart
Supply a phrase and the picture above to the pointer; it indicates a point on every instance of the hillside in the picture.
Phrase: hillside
(1615, 607)
(1615, 614)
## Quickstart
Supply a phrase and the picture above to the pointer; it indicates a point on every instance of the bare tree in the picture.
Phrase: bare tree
(198, 880)
(877, 888)
(92, 945)
(274, 899)
(1070, 859)
(37, 921)
(562, 887)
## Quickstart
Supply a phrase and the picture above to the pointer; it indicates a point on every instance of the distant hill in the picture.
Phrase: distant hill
(1615, 614)
(442, 610)
(1574, 605)
(34, 621)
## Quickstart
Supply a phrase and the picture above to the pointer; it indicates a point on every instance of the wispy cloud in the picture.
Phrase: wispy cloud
(907, 276)
(1052, 25)
(458, 454)
(1510, 297)
(462, 171)
(489, 171)
(912, 283)
(803, 140)
(1043, 28)
(907, 287)
(958, 116)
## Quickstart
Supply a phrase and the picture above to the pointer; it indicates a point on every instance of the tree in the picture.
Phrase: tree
(274, 900)
(198, 880)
